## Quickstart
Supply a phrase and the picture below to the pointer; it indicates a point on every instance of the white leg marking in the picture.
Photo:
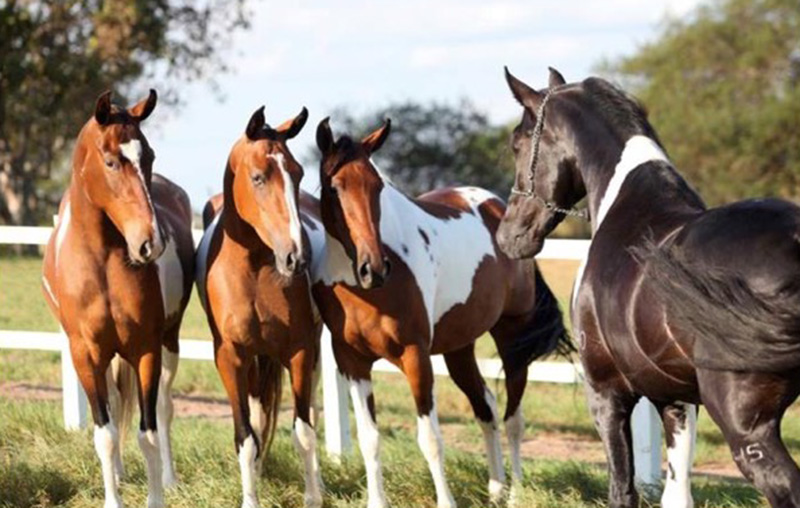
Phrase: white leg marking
(106, 441)
(638, 150)
(429, 437)
(515, 429)
(164, 413)
(148, 442)
(295, 228)
(247, 466)
(368, 442)
(494, 451)
(258, 420)
(678, 487)
(305, 442)
(115, 406)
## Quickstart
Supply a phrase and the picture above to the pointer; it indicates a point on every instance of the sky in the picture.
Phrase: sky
(363, 55)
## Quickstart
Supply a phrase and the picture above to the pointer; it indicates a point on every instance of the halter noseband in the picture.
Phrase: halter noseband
(536, 137)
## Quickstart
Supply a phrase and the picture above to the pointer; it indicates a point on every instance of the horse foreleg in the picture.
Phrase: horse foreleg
(368, 438)
(305, 438)
(419, 373)
(148, 368)
(464, 371)
(233, 366)
(749, 407)
(680, 422)
(612, 419)
(92, 374)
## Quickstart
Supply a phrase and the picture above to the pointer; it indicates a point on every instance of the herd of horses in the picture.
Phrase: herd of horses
(675, 302)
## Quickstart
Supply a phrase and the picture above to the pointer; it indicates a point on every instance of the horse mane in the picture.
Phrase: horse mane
(623, 112)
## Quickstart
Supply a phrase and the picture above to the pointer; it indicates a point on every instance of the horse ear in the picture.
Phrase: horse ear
(102, 110)
(256, 124)
(291, 128)
(556, 79)
(375, 140)
(525, 95)
(143, 109)
(325, 136)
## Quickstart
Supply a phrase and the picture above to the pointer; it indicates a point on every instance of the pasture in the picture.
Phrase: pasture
(43, 465)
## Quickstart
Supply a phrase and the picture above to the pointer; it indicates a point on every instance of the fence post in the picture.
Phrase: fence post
(74, 398)
(334, 399)
(646, 424)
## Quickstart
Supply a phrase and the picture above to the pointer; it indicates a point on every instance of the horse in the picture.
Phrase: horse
(253, 283)
(117, 276)
(403, 279)
(678, 303)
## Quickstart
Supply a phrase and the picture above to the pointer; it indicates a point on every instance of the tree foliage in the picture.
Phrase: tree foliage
(57, 57)
(436, 145)
(723, 90)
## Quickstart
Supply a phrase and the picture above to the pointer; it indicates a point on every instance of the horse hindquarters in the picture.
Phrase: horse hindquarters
(749, 407)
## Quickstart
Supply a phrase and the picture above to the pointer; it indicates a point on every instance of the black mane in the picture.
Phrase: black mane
(623, 112)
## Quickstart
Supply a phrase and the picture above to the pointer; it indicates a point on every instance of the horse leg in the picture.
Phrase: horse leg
(612, 411)
(148, 367)
(233, 366)
(92, 374)
(256, 386)
(465, 373)
(680, 422)
(368, 436)
(417, 367)
(165, 409)
(749, 407)
(305, 439)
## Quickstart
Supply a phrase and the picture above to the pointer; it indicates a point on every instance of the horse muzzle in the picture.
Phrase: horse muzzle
(371, 276)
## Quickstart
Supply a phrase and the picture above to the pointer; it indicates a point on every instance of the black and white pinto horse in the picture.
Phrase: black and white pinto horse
(677, 303)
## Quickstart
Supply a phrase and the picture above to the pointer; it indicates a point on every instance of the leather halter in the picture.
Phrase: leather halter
(536, 137)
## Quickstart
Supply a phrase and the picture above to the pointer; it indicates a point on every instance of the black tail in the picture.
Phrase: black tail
(544, 332)
(732, 326)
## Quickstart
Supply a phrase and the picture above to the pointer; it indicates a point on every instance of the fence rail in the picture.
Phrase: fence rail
(646, 422)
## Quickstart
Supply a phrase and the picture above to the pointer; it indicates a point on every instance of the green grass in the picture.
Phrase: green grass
(43, 465)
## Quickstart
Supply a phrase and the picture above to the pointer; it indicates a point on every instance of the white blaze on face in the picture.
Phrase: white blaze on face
(132, 150)
(638, 150)
(291, 203)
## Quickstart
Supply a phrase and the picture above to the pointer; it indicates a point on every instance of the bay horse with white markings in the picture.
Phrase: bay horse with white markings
(117, 275)
(677, 303)
(252, 280)
(403, 279)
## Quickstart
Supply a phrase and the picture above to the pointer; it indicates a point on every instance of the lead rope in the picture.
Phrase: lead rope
(536, 137)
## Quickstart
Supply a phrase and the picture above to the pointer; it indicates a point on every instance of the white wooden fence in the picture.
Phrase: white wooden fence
(646, 421)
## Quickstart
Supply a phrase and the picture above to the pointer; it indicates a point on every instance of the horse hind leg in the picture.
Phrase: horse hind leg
(165, 409)
(148, 367)
(304, 436)
(680, 423)
(749, 407)
(465, 373)
(121, 383)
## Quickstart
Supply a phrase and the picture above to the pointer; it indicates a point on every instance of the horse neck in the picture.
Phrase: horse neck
(89, 221)
(397, 209)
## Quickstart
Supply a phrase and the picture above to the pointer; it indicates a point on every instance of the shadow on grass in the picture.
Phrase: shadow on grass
(23, 485)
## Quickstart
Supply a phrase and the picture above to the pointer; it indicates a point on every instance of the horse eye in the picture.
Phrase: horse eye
(258, 179)
(112, 164)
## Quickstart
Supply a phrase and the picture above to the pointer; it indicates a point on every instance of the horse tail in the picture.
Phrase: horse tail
(543, 333)
(733, 326)
(121, 381)
(270, 381)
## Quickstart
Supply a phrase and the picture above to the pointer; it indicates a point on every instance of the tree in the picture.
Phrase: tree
(436, 145)
(722, 87)
(57, 57)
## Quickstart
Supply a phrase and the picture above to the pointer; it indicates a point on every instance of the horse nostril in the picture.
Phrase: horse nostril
(146, 250)
(387, 267)
(364, 271)
(291, 261)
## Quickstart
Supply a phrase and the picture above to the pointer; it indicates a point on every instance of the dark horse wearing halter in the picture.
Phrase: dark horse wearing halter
(676, 303)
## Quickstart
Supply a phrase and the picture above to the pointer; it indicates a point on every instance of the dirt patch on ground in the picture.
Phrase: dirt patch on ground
(552, 445)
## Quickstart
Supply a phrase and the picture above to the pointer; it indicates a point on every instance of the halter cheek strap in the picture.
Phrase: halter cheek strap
(536, 138)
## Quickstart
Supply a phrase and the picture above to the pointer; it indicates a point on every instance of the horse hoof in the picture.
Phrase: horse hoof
(496, 492)
(310, 501)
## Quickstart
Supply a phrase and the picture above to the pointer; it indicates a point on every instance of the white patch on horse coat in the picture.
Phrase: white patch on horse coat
(368, 442)
(576, 290)
(678, 487)
(201, 269)
(63, 226)
(247, 466)
(132, 150)
(106, 442)
(429, 438)
(170, 275)
(49, 290)
(638, 150)
(305, 442)
(295, 228)
(148, 442)
(515, 429)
